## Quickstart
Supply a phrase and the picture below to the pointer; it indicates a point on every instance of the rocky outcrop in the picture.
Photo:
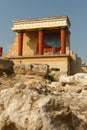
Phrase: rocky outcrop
(6, 66)
(34, 102)
(79, 79)
(31, 69)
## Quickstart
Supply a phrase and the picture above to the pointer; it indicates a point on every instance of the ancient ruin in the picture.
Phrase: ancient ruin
(35, 91)
(45, 40)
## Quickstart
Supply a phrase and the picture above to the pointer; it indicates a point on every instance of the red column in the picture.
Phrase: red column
(41, 42)
(1, 51)
(20, 43)
(63, 41)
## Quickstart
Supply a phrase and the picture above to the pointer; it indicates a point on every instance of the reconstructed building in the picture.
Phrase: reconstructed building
(44, 40)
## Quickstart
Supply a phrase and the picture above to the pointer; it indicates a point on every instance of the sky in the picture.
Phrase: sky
(76, 10)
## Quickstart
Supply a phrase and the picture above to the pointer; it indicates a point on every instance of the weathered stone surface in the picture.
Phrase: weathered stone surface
(34, 69)
(27, 109)
(32, 102)
(79, 78)
(6, 65)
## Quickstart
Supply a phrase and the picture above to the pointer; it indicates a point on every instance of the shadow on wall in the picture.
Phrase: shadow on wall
(76, 66)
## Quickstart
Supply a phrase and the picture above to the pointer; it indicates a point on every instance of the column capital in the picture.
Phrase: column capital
(20, 31)
(63, 28)
(41, 29)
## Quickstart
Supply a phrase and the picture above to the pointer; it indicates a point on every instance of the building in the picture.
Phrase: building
(44, 40)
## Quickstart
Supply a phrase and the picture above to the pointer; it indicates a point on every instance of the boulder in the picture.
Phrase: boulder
(30, 102)
(32, 69)
(6, 66)
(79, 79)
(27, 109)
(24, 108)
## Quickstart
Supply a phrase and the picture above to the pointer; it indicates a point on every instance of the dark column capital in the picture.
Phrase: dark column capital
(64, 28)
(41, 29)
(20, 31)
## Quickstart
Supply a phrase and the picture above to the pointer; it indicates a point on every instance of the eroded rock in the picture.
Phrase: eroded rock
(32, 102)
(6, 66)
(24, 108)
(33, 69)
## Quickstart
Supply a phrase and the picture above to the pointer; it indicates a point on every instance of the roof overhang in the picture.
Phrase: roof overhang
(37, 23)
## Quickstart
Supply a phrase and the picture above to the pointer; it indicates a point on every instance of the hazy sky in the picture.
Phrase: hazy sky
(76, 10)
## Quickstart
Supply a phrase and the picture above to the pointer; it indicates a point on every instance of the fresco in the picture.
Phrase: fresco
(52, 40)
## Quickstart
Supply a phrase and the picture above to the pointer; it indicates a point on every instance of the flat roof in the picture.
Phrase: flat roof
(43, 22)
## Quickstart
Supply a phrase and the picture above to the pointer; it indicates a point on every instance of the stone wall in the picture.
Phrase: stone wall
(29, 45)
(76, 64)
(61, 62)
(13, 49)
(30, 41)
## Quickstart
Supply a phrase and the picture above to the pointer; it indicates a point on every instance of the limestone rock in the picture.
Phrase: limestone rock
(79, 79)
(33, 69)
(32, 102)
(24, 108)
(6, 65)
